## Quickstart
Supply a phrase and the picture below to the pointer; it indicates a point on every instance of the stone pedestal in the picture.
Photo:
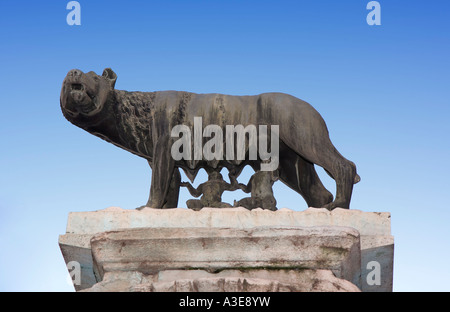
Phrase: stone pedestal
(229, 250)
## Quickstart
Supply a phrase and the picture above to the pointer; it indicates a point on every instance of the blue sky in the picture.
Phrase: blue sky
(382, 90)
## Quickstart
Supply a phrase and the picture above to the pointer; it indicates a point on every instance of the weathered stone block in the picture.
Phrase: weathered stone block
(225, 281)
(377, 244)
(152, 250)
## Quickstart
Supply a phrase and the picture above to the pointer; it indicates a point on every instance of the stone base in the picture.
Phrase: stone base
(213, 259)
(228, 249)
(224, 281)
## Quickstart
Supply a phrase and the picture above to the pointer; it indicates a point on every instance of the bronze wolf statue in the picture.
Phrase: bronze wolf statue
(141, 123)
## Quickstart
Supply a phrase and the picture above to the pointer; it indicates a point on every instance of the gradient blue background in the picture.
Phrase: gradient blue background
(383, 91)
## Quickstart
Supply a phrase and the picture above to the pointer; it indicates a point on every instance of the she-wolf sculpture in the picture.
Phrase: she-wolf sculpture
(141, 123)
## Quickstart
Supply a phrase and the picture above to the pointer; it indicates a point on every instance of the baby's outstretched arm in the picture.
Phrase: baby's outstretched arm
(236, 185)
(196, 192)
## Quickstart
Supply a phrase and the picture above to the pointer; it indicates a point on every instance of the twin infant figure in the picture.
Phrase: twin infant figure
(260, 187)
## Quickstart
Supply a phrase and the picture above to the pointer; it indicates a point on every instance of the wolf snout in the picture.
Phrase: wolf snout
(74, 73)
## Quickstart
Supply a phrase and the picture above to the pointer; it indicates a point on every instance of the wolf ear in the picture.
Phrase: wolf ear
(109, 74)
